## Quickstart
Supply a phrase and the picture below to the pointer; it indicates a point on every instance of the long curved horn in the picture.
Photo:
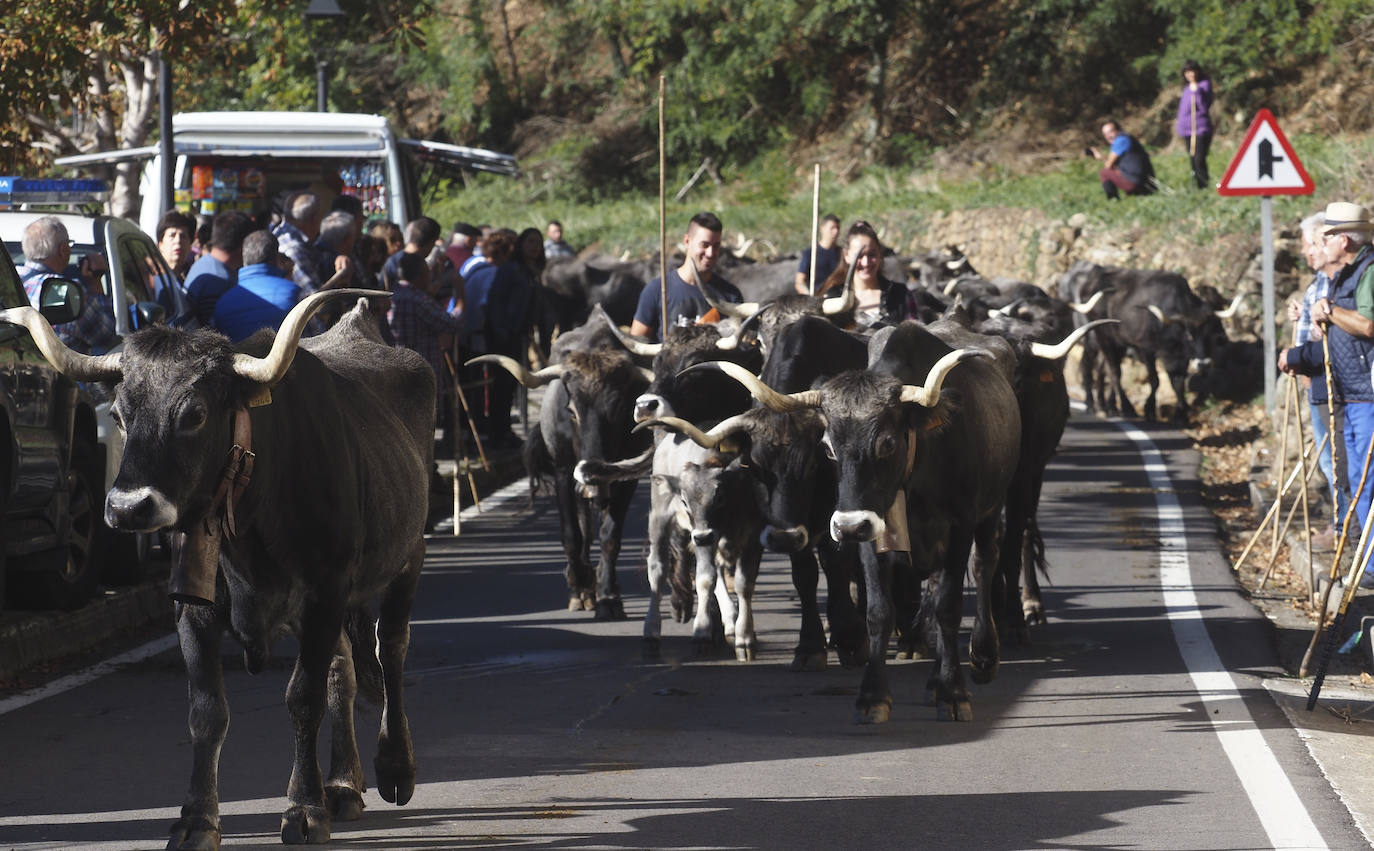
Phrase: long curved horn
(1088, 306)
(1230, 311)
(846, 300)
(1006, 309)
(1159, 314)
(1062, 348)
(65, 360)
(724, 308)
(636, 346)
(928, 395)
(647, 373)
(949, 288)
(270, 369)
(706, 440)
(531, 380)
(772, 399)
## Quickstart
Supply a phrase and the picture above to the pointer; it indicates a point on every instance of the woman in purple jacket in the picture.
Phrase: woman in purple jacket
(1194, 125)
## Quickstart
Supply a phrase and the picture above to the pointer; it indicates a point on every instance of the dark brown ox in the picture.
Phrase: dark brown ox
(937, 462)
(331, 518)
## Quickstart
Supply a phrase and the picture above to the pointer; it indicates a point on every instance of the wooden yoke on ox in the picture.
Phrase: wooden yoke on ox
(195, 554)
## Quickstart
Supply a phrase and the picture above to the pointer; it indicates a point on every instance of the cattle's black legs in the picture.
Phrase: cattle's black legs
(395, 760)
(874, 705)
(951, 695)
(1087, 374)
(983, 651)
(200, 630)
(1006, 599)
(1032, 561)
(846, 628)
(1151, 375)
(1112, 358)
(608, 603)
(1178, 379)
(343, 790)
(809, 654)
(571, 510)
(306, 821)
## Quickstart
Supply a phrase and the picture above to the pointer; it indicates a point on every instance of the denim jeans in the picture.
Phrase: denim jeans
(1336, 478)
(1359, 429)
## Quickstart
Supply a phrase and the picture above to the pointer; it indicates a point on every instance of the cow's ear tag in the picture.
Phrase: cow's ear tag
(261, 398)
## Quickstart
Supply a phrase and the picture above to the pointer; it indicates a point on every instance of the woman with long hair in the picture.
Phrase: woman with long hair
(1194, 125)
(880, 301)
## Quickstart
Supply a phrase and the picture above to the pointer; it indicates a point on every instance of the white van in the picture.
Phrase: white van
(243, 160)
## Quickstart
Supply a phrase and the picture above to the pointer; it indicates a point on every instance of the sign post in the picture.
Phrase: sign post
(1265, 165)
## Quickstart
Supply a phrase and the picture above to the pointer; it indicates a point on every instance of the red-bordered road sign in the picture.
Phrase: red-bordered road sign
(1265, 163)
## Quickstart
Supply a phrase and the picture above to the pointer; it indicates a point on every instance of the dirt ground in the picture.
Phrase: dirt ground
(1226, 435)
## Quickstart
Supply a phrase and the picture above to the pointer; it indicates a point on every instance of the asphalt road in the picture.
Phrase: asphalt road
(1138, 718)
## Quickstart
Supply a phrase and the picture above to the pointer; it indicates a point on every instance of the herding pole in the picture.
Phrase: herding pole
(815, 222)
(662, 215)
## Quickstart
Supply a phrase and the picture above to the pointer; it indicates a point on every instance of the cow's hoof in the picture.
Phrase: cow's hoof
(852, 657)
(1034, 613)
(395, 768)
(345, 803)
(744, 652)
(195, 834)
(982, 669)
(610, 609)
(305, 826)
(574, 602)
(877, 713)
(804, 660)
(651, 650)
(958, 710)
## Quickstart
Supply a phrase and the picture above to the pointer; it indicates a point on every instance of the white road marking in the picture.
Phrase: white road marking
(1281, 812)
(95, 672)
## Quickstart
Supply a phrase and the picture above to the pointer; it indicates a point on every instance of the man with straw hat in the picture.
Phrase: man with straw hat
(1348, 317)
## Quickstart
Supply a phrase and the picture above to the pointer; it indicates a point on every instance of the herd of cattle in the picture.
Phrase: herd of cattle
(884, 459)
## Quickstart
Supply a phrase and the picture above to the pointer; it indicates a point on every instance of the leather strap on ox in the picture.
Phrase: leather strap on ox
(896, 537)
(195, 554)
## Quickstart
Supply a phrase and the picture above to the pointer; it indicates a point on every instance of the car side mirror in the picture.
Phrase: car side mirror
(61, 300)
(148, 313)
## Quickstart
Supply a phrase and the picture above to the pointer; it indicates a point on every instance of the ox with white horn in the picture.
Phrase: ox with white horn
(928, 394)
(1061, 349)
(705, 439)
(724, 308)
(846, 300)
(1231, 311)
(1087, 307)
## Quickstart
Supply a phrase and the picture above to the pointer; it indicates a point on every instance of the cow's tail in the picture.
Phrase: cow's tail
(1035, 547)
(538, 462)
(361, 628)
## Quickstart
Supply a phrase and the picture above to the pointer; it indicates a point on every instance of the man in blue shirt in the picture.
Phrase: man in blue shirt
(263, 295)
(215, 272)
(1127, 167)
(827, 256)
(701, 244)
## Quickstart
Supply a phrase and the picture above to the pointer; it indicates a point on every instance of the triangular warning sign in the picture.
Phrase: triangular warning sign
(1265, 163)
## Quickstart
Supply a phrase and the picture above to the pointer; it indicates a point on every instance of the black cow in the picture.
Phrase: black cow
(331, 517)
(573, 286)
(584, 443)
(1160, 317)
(938, 465)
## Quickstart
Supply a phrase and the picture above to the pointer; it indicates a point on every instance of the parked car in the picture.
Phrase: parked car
(136, 269)
(50, 463)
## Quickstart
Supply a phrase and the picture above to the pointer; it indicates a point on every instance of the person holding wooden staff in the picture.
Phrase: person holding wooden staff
(827, 255)
(701, 244)
(1308, 362)
(1347, 315)
(1194, 125)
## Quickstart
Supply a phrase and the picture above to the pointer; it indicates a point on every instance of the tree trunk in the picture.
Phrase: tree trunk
(877, 86)
(510, 48)
(140, 96)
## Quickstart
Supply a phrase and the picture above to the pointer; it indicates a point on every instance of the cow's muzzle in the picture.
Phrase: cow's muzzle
(856, 526)
(784, 539)
(143, 509)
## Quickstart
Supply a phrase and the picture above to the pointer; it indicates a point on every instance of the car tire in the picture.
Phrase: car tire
(71, 576)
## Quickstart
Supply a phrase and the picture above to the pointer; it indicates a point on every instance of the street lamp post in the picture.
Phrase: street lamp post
(317, 15)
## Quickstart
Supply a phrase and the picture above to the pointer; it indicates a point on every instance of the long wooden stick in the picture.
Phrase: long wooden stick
(1336, 562)
(1302, 461)
(1274, 508)
(1283, 458)
(815, 222)
(1287, 522)
(662, 210)
(467, 412)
